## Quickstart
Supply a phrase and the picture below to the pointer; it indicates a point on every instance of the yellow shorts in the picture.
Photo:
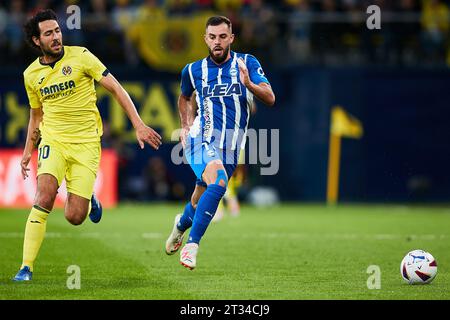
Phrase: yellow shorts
(76, 162)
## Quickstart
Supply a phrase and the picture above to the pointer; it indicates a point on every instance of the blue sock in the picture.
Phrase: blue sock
(206, 208)
(187, 217)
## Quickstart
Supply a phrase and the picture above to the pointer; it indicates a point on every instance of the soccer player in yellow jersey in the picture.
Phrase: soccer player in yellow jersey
(66, 126)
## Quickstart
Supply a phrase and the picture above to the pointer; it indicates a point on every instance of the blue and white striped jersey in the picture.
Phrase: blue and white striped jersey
(223, 102)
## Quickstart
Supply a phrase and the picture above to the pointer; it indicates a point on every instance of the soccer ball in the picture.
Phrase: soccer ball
(418, 267)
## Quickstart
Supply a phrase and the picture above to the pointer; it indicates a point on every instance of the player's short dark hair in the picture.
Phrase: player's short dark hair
(218, 20)
(31, 27)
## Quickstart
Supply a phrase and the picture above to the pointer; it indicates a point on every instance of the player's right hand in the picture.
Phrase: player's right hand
(183, 136)
(24, 165)
(147, 134)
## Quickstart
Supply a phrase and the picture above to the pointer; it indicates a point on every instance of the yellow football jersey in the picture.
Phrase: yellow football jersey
(65, 90)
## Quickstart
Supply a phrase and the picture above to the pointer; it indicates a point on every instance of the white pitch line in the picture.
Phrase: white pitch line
(87, 235)
(326, 236)
(152, 235)
(347, 236)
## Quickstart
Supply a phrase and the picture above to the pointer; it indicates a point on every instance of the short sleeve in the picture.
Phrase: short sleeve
(255, 70)
(186, 83)
(33, 98)
(92, 65)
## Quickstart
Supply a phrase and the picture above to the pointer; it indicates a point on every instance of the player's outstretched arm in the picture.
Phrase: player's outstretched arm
(143, 132)
(263, 91)
(33, 138)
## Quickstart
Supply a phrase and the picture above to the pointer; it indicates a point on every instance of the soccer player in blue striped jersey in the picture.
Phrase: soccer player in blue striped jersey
(225, 84)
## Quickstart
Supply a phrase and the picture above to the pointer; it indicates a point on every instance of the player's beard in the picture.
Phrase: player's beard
(220, 58)
(49, 52)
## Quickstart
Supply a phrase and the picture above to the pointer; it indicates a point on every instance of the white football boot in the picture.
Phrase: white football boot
(175, 239)
(188, 255)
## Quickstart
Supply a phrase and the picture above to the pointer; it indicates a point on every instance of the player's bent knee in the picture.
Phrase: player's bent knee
(75, 218)
(223, 183)
(222, 179)
(216, 175)
(76, 221)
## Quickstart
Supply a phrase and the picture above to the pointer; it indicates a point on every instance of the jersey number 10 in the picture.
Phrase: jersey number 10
(44, 151)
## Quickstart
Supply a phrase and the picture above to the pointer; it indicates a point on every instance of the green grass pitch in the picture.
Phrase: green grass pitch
(289, 252)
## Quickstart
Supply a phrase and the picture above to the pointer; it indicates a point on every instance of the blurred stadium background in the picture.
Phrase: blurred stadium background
(317, 54)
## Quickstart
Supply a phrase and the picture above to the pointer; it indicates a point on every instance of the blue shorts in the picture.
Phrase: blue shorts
(200, 154)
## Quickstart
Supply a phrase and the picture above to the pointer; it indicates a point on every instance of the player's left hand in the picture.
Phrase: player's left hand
(243, 72)
(147, 134)
(24, 165)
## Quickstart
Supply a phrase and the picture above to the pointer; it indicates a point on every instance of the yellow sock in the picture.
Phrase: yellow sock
(90, 207)
(220, 207)
(238, 178)
(231, 188)
(34, 234)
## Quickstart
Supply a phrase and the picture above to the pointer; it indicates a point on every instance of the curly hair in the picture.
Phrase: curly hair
(31, 27)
